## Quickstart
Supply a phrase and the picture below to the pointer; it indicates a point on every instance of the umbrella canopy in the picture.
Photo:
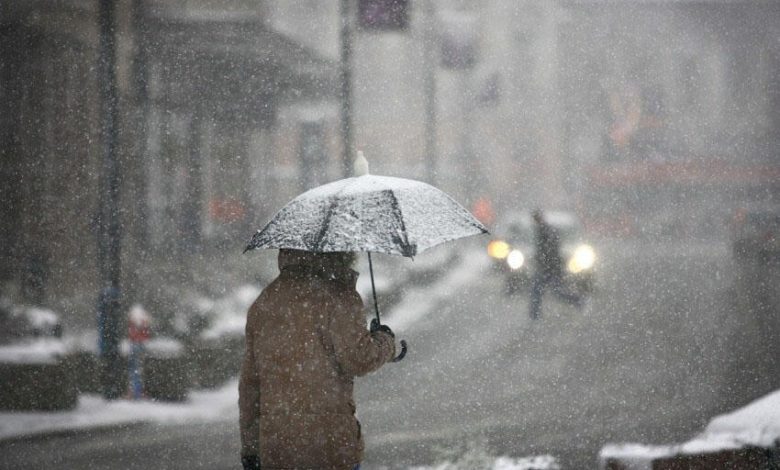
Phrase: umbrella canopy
(382, 214)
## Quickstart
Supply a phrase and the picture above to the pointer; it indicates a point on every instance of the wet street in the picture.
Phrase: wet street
(668, 340)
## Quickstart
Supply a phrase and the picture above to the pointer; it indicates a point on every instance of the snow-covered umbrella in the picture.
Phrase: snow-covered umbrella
(370, 213)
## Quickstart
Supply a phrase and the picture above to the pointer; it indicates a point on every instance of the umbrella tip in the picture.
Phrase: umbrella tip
(360, 165)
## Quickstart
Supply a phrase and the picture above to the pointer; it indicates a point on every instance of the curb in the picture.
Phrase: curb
(70, 432)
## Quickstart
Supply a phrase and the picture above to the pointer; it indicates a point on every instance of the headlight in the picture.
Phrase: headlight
(583, 259)
(515, 259)
(498, 249)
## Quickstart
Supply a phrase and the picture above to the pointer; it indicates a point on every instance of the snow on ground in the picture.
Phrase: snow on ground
(542, 462)
(159, 347)
(757, 424)
(42, 318)
(203, 406)
(85, 340)
(33, 351)
(634, 456)
(94, 411)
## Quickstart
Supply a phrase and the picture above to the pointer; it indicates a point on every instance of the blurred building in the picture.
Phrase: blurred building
(638, 114)
(579, 104)
(203, 91)
(671, 113)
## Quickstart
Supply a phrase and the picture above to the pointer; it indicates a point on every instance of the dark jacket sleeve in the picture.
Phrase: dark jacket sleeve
(249, 393)
(357, 350)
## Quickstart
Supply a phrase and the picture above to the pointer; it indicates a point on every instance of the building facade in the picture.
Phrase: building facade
(228, 110)
(202, 92)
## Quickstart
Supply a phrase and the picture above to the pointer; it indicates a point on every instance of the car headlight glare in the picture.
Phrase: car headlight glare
(584, 258)
(498, 249)
(515, 259)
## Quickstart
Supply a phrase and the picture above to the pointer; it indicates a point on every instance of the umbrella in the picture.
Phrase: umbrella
(370, 213)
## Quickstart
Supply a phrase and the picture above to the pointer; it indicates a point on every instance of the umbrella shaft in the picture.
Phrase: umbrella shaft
(373, 288)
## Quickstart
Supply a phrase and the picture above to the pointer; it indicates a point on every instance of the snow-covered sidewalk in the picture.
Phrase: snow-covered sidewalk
(219, 405)
(94, 412)
(755, 425)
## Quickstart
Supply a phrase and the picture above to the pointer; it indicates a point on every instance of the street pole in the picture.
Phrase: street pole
(346, 88)
(429, 46)
(108, 217)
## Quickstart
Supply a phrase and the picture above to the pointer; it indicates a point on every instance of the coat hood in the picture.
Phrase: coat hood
(335, 266)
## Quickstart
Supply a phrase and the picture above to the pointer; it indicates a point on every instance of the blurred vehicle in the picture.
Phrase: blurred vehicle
(755, 235)
(34, 372)
(512, 251)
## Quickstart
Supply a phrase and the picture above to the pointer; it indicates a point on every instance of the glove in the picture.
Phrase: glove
(376, 326)
(251, 462)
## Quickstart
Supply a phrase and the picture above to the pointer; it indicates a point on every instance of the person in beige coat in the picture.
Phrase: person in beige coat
(306, 341)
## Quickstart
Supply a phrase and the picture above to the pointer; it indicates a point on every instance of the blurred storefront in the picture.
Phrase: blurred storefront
(204, 93)
(669, 124)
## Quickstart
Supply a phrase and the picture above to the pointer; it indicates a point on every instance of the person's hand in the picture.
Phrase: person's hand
(376, 326)
(251, 462)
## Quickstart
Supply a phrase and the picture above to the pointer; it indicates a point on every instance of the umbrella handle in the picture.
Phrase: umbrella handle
(376, 309)
(403, 352)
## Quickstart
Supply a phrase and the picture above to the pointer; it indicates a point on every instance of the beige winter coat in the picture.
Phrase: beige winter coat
(306, 340)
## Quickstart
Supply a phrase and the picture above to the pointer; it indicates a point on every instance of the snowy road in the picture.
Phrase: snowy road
(662, 347)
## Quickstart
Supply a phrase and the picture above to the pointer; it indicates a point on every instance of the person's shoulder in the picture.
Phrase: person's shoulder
(266, 293)
(279, 284)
